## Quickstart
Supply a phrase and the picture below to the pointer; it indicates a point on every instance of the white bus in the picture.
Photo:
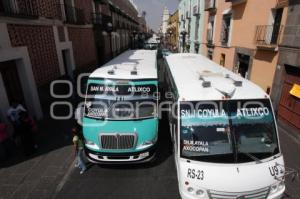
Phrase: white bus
(224, 132)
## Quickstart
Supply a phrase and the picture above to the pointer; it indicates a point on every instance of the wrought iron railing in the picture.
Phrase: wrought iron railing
(268, 35)
(24, 8)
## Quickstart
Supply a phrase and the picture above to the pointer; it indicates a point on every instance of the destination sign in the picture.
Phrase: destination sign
(100, 89)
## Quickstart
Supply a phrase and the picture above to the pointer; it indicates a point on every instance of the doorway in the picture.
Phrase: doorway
(11, 81)
(222, 59)
(243, 65)
(277, 25)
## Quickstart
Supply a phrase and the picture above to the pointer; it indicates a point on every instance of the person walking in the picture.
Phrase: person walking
(13, 115)
(78, 149)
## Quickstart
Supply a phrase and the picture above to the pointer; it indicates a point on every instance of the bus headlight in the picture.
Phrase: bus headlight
(87, 142)
(91, 144)
(281, 185)
(190, 189)
(200, 193)
(145, 144)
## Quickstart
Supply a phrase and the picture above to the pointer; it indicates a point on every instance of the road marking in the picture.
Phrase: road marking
(289, 135)
(64, 180)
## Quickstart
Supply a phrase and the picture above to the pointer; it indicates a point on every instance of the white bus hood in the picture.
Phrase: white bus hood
(233, 178)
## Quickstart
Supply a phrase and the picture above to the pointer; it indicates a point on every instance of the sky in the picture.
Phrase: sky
(154, 10)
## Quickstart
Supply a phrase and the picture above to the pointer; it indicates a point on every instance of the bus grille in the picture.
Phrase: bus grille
(256, 194)
(117, 141)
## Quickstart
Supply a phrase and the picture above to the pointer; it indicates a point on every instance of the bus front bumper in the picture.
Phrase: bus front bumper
(147, 155)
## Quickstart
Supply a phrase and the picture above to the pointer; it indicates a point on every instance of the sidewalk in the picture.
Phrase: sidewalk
(288, 128)
(38, 176)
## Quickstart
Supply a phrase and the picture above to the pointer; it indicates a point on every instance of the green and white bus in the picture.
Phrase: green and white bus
(120, 120)
(224, 132)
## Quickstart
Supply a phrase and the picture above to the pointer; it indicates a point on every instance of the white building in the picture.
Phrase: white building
(166, 16)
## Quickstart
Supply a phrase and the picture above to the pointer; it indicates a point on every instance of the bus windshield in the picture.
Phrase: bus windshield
(121, 102)
(235, 131)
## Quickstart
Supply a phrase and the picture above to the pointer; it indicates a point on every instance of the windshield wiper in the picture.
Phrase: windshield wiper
(251, 156)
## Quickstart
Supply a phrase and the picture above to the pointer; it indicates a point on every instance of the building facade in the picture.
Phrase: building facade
(191, 24)
(43, 40)
(243, 36)
(165, 19)
(173, 31)
(116, 27)
(286, 86)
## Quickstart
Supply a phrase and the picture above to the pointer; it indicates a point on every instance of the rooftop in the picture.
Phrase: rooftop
(141, 61)
(193, 73)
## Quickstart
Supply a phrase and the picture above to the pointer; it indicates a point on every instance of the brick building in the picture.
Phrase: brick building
(34, 49)
(43, 40)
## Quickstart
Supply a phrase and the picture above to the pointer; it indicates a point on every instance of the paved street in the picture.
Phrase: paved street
(51, 174)
(154, 181)
(157, 180)
(291, 148)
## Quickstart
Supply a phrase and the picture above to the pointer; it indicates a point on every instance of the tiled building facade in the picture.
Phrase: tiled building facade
(41, 48)
(43, 40)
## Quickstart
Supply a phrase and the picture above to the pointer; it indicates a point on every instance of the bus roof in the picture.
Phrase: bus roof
(199, 79)
(141, 61)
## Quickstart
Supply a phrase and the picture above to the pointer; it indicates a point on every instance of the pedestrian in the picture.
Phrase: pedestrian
(78, 149)
(13, 113)
(25, 131)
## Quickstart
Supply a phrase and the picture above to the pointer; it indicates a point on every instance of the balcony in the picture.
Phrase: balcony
(71, 15)
(236, 2)
(210, 5)
(267, 37)
(20, 9)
